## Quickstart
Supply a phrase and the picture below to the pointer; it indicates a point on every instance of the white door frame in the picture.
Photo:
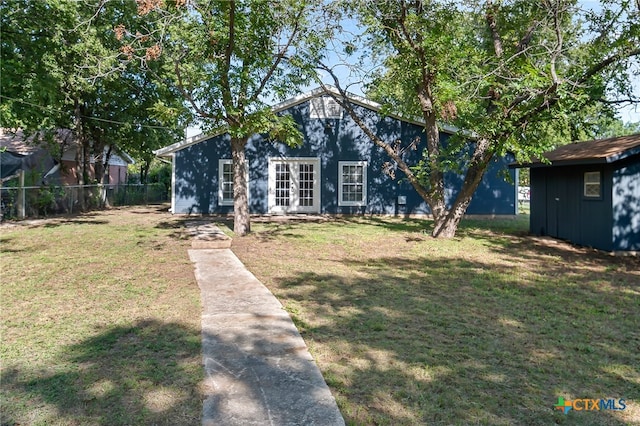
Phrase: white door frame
(276, 206)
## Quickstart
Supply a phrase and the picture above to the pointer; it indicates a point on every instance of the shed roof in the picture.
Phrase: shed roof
(591, 152)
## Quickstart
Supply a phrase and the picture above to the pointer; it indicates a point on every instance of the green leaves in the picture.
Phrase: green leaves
(58, 54)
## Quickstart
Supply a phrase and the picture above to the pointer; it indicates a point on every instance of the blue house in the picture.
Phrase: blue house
(337, 170)
(588, 193)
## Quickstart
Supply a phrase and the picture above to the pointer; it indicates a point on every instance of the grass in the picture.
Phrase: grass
(488, 328)
(100, 321)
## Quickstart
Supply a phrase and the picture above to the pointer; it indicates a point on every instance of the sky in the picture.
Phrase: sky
(628, 114)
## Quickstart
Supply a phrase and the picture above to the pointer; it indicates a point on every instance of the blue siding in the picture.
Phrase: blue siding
(626, 206)
(330, 140)
(611, 222)
(558, 208)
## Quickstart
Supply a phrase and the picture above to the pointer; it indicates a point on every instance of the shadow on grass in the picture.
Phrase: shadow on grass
(180, 224)
(74, 221)
(148, 373)
(150, 208)
(458, 341)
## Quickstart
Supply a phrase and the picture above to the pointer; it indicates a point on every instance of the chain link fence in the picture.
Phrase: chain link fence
(35, 201)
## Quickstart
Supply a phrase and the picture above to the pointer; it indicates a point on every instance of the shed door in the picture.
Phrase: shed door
(552, 204)
(294, 185)
(558, 201)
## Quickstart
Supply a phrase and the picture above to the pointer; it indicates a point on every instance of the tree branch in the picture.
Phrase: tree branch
(388, 148)
(279, 57)
(188, 94)
(596, 68)
(227, 98)
(493, 27)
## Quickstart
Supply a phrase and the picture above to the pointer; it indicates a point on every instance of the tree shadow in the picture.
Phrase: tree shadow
(259, 372)
(73, 221)
(460, 341)
(139, 374)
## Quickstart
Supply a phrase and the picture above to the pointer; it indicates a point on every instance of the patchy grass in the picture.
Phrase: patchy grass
(100, 321)
(488, 328)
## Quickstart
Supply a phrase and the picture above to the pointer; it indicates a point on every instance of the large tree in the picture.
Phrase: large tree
(513, 74)
(229, 60)
(51, 79)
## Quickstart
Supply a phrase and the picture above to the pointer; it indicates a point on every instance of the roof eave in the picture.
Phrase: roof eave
(624, 154)
(167, 151)
(558, 163)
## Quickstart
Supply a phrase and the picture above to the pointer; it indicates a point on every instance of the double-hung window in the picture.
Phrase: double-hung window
(592, 185)
(225, 179)
(352, 183)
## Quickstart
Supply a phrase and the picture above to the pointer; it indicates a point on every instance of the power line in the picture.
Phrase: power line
(149, 126)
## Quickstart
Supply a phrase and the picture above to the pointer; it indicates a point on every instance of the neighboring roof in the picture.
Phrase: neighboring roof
(355, 99)
(10, 164)
(16, 142)
(599, 151)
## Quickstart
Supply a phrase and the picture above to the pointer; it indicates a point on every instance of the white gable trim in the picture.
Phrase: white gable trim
(327, 89)
(167, 151)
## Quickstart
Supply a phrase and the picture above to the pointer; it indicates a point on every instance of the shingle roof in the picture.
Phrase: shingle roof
(591, 152)
(15, 141)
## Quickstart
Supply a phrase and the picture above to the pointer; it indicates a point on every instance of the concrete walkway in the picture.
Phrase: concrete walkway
(258, 369)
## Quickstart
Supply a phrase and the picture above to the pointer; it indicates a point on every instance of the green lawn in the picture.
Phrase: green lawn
(489, 328)
(100, 321)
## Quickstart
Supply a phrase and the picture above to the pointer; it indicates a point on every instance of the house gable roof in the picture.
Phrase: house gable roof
(599, 151)
(15, 141)
(167, 151)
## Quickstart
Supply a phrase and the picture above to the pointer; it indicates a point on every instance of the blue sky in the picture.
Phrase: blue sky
(627, 114)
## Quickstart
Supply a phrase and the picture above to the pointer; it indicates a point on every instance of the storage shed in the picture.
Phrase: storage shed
(589, 194)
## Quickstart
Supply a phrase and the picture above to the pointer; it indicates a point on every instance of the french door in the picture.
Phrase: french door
(294, 185)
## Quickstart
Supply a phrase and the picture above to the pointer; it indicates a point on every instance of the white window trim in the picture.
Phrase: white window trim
(587, 184)
(363, 202)
(221, 200)
(173, 183)
(293, 207)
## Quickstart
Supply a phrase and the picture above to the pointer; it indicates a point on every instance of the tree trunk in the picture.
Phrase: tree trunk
(81, 156)
(446, 225)
(102, 175)
(144, 172)
(436, 190)
(241, 219)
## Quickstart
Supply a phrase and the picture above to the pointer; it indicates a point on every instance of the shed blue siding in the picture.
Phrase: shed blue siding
(558, 208)
(626, 206)
(330, 140)
(611, 222)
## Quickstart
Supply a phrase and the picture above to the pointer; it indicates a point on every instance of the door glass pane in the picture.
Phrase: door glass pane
(283, 184)
(305, 189)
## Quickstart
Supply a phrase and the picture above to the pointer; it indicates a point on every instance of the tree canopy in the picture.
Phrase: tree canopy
(229, 60)
(517, 76)
(50, 80)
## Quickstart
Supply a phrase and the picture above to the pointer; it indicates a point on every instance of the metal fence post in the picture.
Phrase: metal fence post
(22, 196)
